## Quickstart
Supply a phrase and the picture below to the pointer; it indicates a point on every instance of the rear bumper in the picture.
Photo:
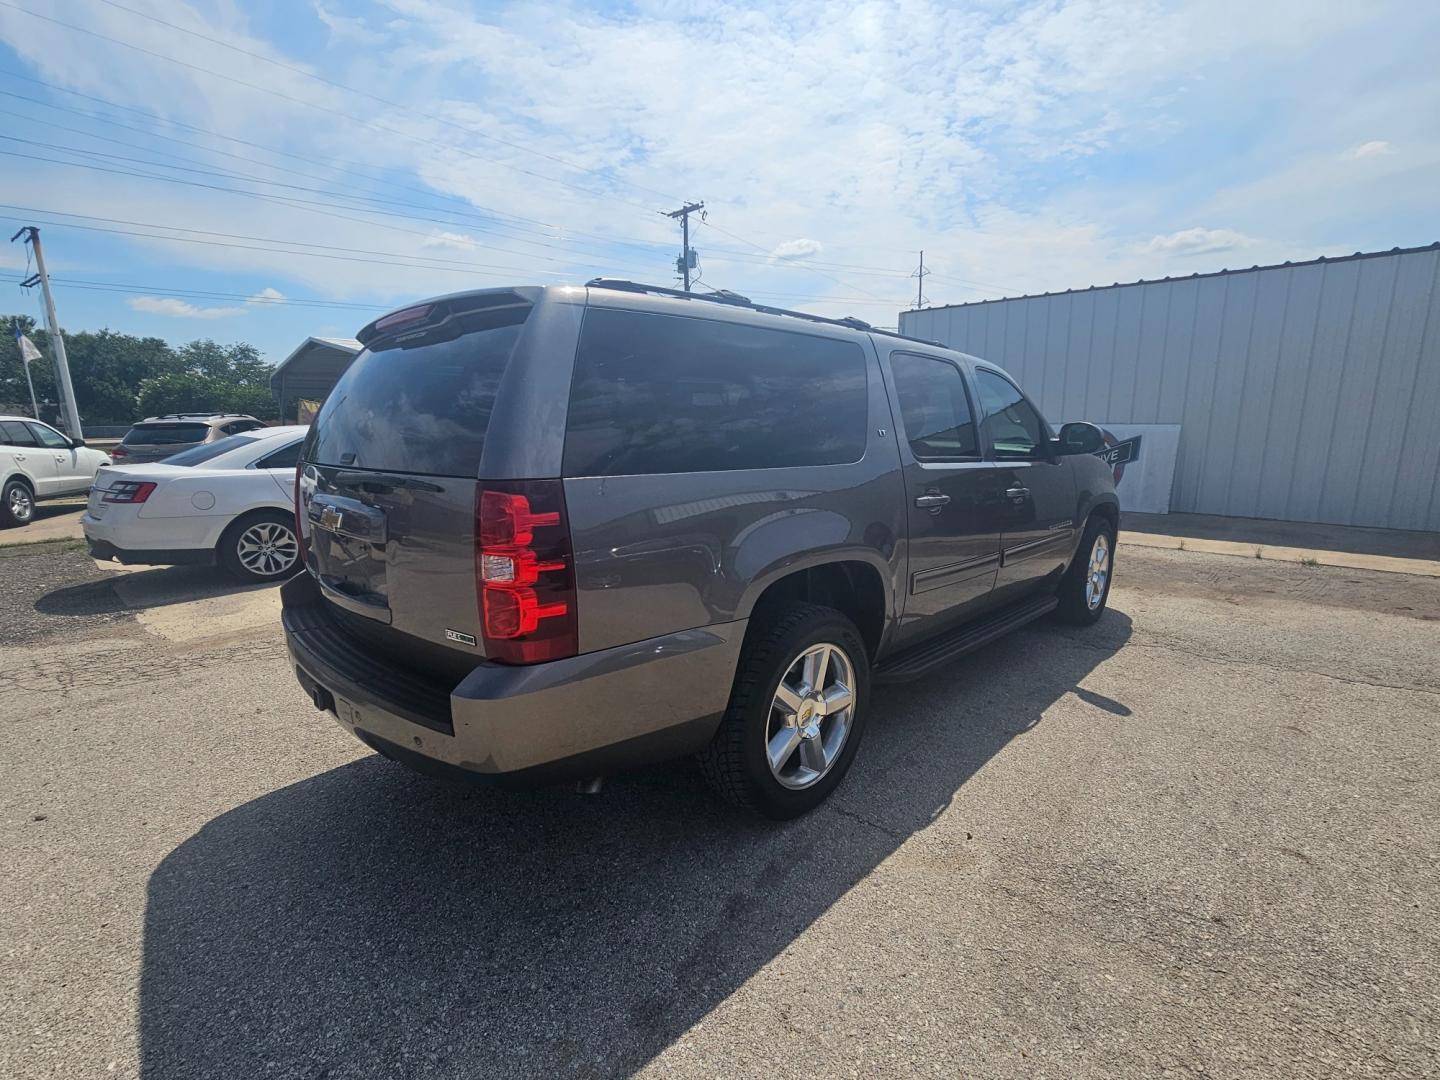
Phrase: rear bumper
(104, 549)
(582, 716)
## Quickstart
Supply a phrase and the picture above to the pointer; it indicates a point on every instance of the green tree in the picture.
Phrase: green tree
(119, 378)
(226, 378)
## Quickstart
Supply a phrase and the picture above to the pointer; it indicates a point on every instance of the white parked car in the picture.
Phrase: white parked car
(230, 501)
(37, 463)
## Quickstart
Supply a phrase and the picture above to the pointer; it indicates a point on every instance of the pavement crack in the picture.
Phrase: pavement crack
(1235, 661)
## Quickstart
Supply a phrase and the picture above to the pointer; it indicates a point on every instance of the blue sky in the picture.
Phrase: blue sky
(263, 171)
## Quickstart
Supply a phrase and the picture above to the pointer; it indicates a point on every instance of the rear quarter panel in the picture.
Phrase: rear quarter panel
(657, 554)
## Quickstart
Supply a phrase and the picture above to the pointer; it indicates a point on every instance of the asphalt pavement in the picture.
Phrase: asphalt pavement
(1200, 838)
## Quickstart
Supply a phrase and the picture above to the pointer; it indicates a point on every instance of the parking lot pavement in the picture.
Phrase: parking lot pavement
(1199, 838)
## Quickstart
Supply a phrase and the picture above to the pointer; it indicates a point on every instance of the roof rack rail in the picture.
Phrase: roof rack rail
(186, 415)
(725, 296)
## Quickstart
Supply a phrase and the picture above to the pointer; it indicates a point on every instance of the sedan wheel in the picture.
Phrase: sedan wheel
(267, 549)
(261, 547)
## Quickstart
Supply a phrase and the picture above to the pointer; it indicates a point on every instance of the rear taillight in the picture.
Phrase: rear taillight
(300, 520)
(119, 453)
(128, 491)
(524, 572)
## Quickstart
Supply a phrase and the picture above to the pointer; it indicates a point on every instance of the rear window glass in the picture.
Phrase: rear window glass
(420, 405)
(164, 434)
(205, 451)
(667, 394)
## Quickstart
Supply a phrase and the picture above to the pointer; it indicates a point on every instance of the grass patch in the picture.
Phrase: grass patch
(1308, 561)
(40, 547)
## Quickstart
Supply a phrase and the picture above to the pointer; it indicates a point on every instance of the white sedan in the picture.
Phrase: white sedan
(230, 501)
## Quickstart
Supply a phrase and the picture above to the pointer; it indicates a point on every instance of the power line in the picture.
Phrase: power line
(321, 108)
(469, 220)
(207, 294)
(307, 205)
(467, 217)
(383, 101)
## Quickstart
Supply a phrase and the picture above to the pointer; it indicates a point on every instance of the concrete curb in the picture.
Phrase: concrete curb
(1388, 564)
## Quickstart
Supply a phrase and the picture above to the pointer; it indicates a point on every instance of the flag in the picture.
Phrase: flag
(28, 351)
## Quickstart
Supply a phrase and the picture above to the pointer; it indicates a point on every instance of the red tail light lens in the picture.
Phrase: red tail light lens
(300, 537)
(128, 491)
(524, 572)
(118, 452)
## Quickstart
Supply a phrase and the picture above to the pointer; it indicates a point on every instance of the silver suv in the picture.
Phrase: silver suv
(157, 437)
(554, 532)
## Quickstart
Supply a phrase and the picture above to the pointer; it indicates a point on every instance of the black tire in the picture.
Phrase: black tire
(228, 551)
(735, 763)
(17, 504)
(1076, 606)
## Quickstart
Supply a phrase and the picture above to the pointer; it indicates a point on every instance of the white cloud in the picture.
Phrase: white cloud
(1373, 148)
(1197, 242)
(266, 295)
(347, 28)
(797, 249)
(1025, 147)
(179, 309)
(452, 240)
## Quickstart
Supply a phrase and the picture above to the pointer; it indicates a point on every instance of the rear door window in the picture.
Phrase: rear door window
(164, 434)
(422, 403)
(14, 433)
(287, 458)
(668, 394)
(935, 408)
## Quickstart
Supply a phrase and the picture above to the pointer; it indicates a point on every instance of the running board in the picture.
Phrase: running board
(924, 658)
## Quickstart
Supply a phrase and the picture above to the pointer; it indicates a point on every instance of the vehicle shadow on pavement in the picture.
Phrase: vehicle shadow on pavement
(371, 923)
(138, 590)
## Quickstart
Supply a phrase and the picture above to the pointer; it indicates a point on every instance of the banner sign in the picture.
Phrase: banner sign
(1143, 459)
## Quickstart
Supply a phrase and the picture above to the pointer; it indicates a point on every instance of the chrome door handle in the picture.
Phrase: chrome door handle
(1018, 492)
(928, 502)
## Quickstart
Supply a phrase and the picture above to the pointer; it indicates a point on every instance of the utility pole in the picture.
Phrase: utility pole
(919, 276)
(57, 339)
(685, 263)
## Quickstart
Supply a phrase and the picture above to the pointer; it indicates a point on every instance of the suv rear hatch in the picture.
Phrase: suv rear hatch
(151, 442)
(388, 488)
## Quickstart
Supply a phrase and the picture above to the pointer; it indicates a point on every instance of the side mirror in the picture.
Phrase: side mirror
(75, 444)
(1081, 438)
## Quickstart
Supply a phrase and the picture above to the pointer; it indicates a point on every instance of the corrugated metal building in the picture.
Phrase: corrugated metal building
(310, 371)
(1306, 391)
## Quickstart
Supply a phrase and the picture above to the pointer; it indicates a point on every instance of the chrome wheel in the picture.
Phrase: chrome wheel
(810, 716)
(266, 549)
(20, 504)
(1098, 573)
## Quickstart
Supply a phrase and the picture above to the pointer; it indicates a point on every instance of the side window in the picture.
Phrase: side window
(14, 433)
(1014, 427)
(672, 394)
(935, 408)
(245, 425)
(49, 437)
(287, 458)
